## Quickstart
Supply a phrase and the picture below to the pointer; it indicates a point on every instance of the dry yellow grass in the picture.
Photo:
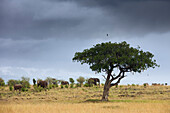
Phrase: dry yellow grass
(86, 108)
(122, 100)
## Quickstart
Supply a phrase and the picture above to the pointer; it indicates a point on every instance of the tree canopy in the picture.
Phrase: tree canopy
(105, 56)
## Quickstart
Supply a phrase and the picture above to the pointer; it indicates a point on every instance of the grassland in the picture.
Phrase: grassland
(124, 99)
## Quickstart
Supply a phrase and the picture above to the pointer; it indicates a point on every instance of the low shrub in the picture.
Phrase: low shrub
(102, 84)
(71, 85)
(62, 86)
(24, 89)
(86, 85)
(66, 86)
(78, 85)
(10, 88)
(144, 85)
(38, 89)
(50, 86)
(133, 84)
(56, 85)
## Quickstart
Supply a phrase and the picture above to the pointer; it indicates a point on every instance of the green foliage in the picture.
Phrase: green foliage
(50, 86)
(84, 90)
(86, 85)
(121, 86)
(2, 83)
(166, 84)
(66, 86)
(102, 56)
(25, 79)
(25, 82)
(62, 86)
(133, 84)
(81, 80)
(144, 85)
(38, 89)
(71, 85)
(10, 88)
(11, 82)
(56, 85)
(78, 85)
(71, 80)
(102, 84)
(24, 89)
(53, 86)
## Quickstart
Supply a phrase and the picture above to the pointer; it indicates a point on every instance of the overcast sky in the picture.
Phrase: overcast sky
(38, 38)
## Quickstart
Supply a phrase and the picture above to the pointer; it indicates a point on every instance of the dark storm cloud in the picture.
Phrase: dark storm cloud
(137, 17)
(23, 19)
(29, 19)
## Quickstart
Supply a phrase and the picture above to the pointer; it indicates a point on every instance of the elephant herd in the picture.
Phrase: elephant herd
(44, 84)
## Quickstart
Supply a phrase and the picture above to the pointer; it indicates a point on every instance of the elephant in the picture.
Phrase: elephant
(17, 87)
(42, 83)
(93, 81)
(64, 83)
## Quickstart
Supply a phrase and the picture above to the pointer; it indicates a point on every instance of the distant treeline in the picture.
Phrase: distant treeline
(25, 81)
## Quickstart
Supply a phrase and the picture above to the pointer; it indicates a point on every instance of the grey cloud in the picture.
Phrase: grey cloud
(37, 20)
(138, 17)
(82, 19)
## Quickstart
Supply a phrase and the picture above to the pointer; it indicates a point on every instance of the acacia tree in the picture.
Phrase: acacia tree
(106, 57)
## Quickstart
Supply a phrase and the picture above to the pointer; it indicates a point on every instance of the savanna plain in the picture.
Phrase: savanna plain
(122, 99)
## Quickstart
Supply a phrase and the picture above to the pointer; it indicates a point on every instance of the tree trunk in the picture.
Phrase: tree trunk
(106, 92)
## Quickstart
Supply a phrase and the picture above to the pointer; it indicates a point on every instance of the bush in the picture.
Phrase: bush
(11, 82)
(62, 86)
(121, 86)
(166, 84)
(2, 83)
(10, 88)
(50, 86)
(71, 85)
(24, 89)
(78, 85)
(25, 84)
(38, 89)
(133, 84)
(66, 86)
(102, 84)
(86, 85)
(144, 85)
(53, 86)
(56, 85)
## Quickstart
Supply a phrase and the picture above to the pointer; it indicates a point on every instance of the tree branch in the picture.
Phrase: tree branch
(114, 78)
(104, 77)
(118, 81)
